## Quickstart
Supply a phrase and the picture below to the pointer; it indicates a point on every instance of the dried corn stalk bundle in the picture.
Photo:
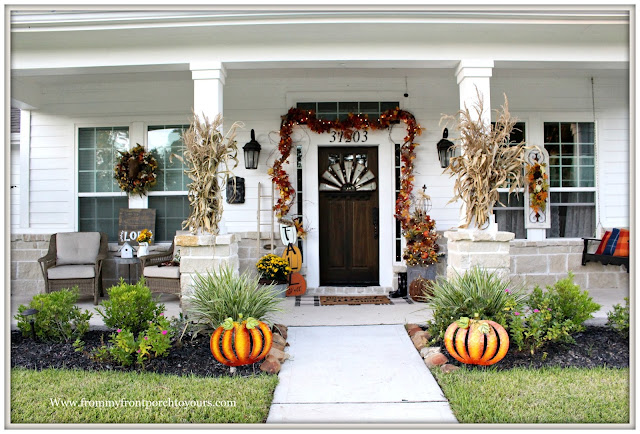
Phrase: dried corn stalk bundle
(487, 161)
(210, 156)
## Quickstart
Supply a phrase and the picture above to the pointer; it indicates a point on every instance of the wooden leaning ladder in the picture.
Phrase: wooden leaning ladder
(270, 223)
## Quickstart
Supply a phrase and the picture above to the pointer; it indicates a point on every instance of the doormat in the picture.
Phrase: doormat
(333, 300)
(314, 300)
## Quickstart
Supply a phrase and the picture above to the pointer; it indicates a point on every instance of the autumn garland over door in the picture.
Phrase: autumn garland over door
(348, 126)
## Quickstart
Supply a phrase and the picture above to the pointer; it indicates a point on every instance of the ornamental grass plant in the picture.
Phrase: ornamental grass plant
(224, 294)
(477, 294)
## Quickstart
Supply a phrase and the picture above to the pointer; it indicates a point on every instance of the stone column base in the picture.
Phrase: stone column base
(202, 253)
(468, 248)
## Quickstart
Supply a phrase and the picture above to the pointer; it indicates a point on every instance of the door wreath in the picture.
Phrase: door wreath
(348, 126)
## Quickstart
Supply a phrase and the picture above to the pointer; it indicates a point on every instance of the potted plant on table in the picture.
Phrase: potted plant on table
(274, 270)
(144, 238)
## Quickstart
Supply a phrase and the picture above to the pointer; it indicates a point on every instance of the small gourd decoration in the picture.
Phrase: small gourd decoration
(465, 341)
(237, 343)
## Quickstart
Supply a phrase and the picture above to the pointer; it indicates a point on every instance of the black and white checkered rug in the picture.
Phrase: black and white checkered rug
(314, 300)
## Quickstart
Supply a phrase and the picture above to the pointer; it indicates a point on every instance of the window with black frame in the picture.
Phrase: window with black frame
(571, 147)
(99, 196)
(510, 218)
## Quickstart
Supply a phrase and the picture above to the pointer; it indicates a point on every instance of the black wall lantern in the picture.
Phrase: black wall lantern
(251, 152)
(445, 149)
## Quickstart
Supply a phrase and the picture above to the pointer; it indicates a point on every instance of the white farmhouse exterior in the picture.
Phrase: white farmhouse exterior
(83, 79)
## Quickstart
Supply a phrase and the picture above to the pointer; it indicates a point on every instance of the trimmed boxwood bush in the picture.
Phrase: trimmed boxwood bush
(58, 317)
(129, 307)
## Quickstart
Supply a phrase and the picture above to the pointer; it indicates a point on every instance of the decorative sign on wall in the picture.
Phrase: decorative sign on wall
(536, 197)
(235, 190)
(288, 234)
(132, 221)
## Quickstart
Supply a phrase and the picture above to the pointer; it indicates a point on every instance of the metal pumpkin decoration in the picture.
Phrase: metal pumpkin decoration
(465, 341)
(237, 343)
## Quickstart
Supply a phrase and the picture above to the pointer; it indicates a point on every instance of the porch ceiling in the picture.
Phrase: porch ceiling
(413, 37)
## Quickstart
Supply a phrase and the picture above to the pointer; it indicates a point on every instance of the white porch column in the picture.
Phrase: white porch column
(208, 87)
(208, 91)
(471, 247)
(472, 75)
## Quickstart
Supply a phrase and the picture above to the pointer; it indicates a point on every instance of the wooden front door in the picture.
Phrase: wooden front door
(349, 216)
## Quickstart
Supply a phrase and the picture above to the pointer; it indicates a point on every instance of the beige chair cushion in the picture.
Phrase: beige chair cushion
(75, 248)
(162, 272)
(71, 272)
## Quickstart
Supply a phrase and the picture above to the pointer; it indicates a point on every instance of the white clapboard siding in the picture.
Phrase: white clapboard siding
(260, 98)
(14, 182)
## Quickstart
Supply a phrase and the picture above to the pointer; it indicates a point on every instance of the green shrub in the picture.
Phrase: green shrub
(125, 349)
(129, 307)
(220, 295)
(476, 294)
(552, 316)
(618, 318)
(58, 317)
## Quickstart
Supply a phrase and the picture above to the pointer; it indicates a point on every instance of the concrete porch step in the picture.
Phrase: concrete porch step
(349, 290)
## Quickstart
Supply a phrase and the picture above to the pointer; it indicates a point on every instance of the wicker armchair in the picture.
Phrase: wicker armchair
(161, 279)
(75, 259)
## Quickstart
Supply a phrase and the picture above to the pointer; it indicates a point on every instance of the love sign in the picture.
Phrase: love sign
(132, 221)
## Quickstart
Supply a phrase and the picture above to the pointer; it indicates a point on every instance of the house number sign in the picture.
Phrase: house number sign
(356, 137)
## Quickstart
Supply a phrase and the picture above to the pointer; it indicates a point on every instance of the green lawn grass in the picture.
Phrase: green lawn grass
(33, 395)
(550, 395)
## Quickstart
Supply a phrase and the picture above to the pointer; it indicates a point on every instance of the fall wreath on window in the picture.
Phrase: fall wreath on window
(136, 171)
(538, 186)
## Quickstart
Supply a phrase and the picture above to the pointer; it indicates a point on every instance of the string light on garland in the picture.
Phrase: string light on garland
(353, 123)
(136, 171)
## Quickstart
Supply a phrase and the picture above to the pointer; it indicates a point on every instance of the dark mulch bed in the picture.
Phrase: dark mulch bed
(596, 346)
(194, 357)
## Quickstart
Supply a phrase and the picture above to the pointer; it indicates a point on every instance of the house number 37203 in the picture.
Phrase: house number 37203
(356, 137)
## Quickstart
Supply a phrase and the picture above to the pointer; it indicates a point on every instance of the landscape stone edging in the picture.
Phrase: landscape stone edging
(432, 356)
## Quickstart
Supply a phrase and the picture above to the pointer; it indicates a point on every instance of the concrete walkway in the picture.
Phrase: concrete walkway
(356, 374)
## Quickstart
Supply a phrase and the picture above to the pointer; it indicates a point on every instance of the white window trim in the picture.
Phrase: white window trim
(138, 133)
(534, 135)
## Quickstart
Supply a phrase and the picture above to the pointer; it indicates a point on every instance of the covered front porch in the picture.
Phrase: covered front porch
(71, 93)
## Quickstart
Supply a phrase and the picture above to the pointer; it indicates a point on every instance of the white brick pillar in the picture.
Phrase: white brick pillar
(208, 92)
(470, 248)
(203, 253)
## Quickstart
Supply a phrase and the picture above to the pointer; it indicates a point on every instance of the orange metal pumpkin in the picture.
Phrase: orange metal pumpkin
(465, 341)
(241, 343)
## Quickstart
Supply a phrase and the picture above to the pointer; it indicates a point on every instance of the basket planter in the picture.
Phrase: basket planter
(427, 272)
